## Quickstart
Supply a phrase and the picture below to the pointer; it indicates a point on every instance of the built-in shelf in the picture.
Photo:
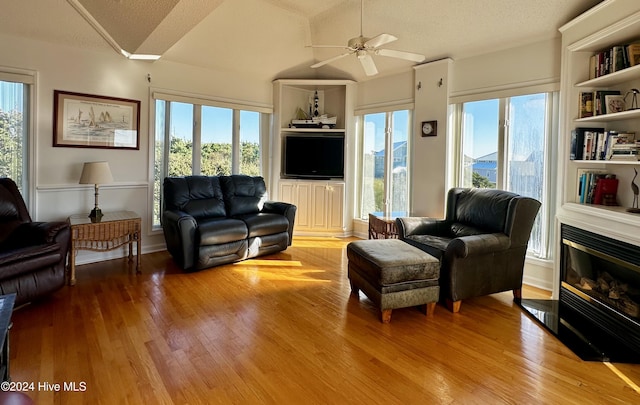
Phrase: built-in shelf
(608, 162)
(619, 116)
(612, 213)
(621, 76)
(317, 130)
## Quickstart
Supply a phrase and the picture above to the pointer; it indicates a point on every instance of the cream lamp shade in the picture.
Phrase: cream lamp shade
(96, 173)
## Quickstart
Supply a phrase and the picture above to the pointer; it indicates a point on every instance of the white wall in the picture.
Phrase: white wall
(429, 162)
(497, 74)
(57, 170)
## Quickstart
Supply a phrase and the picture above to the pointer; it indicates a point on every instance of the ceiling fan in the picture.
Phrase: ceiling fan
(364, 47)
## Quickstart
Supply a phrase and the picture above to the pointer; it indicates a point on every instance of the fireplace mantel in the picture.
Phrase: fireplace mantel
(612, 222)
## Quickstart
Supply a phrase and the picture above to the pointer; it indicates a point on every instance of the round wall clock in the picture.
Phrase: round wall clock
(429, 128)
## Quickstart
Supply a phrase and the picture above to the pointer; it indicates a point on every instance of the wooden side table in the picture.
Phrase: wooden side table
(382, 227)
(115, 229)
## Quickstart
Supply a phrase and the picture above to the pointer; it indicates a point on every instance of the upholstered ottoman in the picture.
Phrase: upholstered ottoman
(393, 274)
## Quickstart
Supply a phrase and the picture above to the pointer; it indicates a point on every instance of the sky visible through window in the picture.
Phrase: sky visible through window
(217, 121)
(484, 128)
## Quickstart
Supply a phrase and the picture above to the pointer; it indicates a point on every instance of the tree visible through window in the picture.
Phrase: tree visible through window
(206, 149)
(13, 132)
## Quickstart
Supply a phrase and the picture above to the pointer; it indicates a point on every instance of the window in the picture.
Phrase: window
(504, 145)
(14, 127)
(200, 139)
(385, 153)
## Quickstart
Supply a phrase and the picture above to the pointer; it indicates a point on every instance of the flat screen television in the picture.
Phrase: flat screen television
(313, 157)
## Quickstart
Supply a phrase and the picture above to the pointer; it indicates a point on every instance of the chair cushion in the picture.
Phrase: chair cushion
(243, 194)
(433, 245)
(458, 229)
(215, 231)
(264, 224)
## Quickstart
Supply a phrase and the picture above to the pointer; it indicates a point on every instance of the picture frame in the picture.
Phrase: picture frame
(93, 121)
(614, 103)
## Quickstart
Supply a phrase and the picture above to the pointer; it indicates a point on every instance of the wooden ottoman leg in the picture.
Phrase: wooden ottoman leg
(386, 315)
(430, 308)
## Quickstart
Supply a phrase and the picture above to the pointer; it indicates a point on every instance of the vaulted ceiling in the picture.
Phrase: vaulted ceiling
(269, 38)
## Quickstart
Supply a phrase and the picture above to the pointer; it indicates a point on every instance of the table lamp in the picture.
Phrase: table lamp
(96, 173)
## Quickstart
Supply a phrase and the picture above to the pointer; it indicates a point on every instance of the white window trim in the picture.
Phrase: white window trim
(29, 77)
(551, 159)
(265, 111)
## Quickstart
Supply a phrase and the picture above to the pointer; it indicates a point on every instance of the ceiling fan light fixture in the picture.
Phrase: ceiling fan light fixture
(364, 48)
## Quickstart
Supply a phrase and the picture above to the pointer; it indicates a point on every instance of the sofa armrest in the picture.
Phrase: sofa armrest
(409, 226)
(37, 233)
(285, 209)
(180, 235)
(465, 246)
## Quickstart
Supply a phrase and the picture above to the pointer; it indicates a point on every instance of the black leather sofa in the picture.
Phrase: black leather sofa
(214, 220)
(481, 243)
(32, 254)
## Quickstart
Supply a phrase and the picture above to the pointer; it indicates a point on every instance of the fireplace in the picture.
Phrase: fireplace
(597, 314)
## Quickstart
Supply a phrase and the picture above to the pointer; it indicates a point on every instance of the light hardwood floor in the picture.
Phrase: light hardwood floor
(284, 329)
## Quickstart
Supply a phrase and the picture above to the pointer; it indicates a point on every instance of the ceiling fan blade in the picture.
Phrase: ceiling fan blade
(380, 40)
(400, 54)
(324, 62)
(367, 64)
(326, 46)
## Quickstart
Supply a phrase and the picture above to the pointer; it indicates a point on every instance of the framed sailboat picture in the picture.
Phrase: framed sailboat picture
(90, 121)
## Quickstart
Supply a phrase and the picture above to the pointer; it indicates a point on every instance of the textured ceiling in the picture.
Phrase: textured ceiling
(269, 38)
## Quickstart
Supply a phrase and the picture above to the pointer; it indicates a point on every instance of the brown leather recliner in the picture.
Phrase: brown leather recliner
(32, 254)
(481, 243)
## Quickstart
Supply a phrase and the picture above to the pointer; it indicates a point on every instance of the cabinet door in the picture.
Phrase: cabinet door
(288, 192)
(335, 206)
(305, 206)
(319, 205)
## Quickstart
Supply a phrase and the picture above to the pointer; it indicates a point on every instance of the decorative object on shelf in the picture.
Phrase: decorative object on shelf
(322, 121)
(600, 100)
(634, 187)
(634, 98)
(429, 128)
(613, 103)
(586, 104)
(89, 121)
(315, 104)
(96, 173)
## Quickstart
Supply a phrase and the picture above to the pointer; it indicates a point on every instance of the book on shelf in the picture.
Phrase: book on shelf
(596, 187)
(633, 51)
(606, 190)
(616, 141)
(585, 108)
(577, 146)
(614, 59)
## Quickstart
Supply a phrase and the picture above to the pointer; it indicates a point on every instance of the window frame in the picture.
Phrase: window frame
(388, 159)
(29, 79)
(548, 207)
(199, 101)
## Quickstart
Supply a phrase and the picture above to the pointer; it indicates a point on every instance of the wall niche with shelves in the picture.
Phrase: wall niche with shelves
(577, 78)
(322, 202)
